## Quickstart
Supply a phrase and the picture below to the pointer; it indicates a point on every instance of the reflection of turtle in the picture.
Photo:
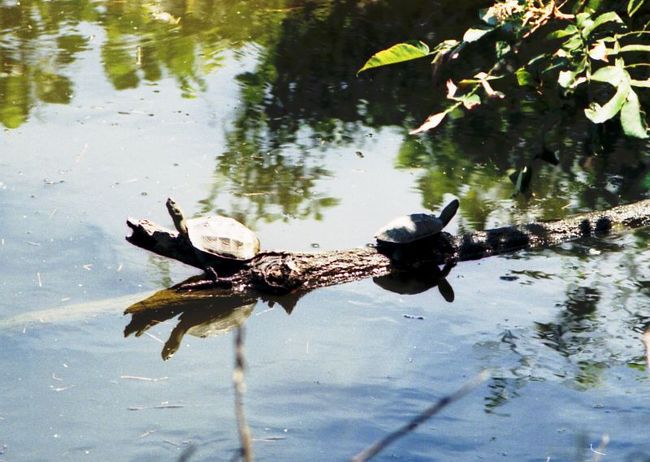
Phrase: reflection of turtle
(417, 281)
(200, 313)
(413, 232)
(205, 322)
(215, 236)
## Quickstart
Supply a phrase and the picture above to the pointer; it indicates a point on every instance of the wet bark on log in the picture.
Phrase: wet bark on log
(480, 244)
(285, 271)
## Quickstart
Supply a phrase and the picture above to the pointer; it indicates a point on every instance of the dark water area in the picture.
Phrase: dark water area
(253, 110)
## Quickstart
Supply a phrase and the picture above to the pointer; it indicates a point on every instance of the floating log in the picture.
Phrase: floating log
(278, 272)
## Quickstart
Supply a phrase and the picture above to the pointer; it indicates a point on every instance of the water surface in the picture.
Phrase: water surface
(253, 110)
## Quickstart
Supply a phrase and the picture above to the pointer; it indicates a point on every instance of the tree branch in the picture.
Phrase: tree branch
(285, 271)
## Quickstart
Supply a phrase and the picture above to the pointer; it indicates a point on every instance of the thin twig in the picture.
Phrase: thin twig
(443, 402)
(600, 451)
(238, 381)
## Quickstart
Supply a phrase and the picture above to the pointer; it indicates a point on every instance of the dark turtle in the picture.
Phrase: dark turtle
(406, 233)
(215, 236)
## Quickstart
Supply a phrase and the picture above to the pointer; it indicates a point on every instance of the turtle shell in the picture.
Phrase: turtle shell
(223, 237)
(410, 228)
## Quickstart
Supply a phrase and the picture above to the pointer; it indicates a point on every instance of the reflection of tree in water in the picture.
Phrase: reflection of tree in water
(272, 185)
(573, 335)
(304, 91)
(473, 162)
(502, 390)
(567, 336)
(597, 327)
(144, 41)
(33, 54)
(306, 76)
(185, 39)
(305, 79)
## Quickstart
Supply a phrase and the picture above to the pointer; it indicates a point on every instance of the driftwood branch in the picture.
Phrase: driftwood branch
(285, 271)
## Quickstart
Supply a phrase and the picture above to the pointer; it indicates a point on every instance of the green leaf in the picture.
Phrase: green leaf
(609, 74)
(573, 43)
(472, 35)
(566, 79)
(524, 78)
(534, 60)
(631, 119)
(470, 101)
(583, 19)
(442, 49)
(604, 18)
(640, 83)
(399, 53)
(481, 77)
(599, 51)
(569, 30)
(502, 49)
(633, 6)
(599, 114)
(445, 46)
(634, 47)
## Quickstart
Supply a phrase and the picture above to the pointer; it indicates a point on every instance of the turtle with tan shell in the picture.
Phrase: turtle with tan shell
(215, 236)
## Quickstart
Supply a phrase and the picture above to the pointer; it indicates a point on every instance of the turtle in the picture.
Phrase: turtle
(409, 234)
(215, 236)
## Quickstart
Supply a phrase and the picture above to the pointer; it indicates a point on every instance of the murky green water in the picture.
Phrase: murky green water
(252, 109)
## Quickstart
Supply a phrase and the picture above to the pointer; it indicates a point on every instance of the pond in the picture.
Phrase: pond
(253, 110)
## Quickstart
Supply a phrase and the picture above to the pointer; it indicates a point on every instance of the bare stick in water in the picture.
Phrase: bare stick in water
(238, 381)
(443, 402)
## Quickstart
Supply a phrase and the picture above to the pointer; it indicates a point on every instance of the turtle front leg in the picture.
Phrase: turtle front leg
(212, 274)
(208, 268)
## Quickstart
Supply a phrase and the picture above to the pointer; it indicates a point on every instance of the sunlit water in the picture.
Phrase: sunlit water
(217, 112)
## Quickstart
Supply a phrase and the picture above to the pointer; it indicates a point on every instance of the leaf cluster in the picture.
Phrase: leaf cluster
(590, 45)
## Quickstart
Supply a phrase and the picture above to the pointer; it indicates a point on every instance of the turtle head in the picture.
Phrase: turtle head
(177, 216)
(448, 212)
